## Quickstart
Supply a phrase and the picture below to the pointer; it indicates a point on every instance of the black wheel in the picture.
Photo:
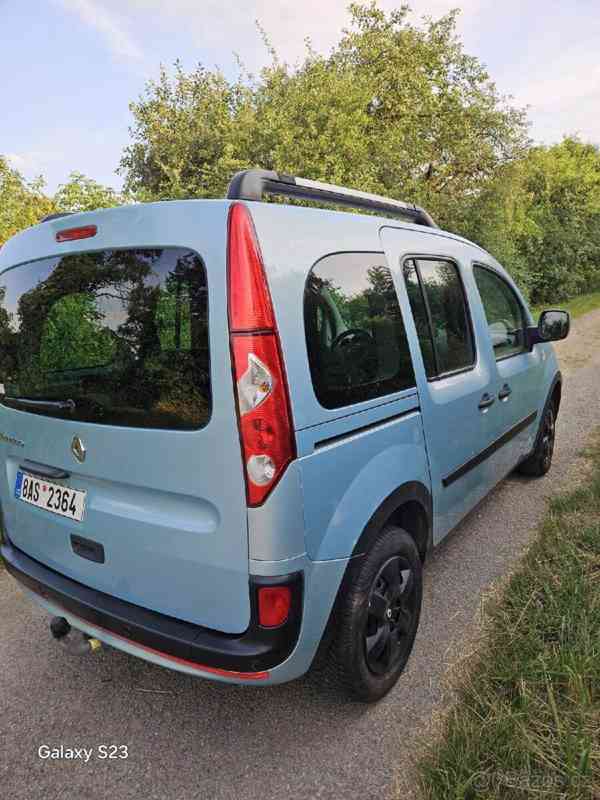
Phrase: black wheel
(377, 616)
(540, 461)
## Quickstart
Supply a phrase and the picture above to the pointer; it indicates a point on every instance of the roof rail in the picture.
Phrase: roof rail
(48, 217)
(252, 184)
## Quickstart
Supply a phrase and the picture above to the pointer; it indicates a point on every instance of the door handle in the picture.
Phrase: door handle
(486, 401)
(505, 392)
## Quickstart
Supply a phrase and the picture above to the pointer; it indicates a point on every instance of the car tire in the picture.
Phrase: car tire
(539, 462)
(376, 617)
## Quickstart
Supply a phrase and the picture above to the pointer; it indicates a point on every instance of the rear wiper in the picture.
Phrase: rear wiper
(63, 405)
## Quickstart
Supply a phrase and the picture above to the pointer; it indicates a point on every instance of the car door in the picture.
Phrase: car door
(519, 368)
(456, 374)
(115, 385)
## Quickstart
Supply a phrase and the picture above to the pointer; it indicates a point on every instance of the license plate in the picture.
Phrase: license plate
(50, 496)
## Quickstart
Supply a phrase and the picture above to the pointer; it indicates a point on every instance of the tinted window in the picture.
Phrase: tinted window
(116, 337)
(419, 310)
(439, 308)
(355, 336)
(503, 311)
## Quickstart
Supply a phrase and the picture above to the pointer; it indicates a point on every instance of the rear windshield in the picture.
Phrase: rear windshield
(117, 337)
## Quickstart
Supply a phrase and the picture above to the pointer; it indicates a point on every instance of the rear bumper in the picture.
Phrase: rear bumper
(246, 656)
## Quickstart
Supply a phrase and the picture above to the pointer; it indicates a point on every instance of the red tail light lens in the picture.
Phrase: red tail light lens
(265, 419)
(265, 422)
(273, 605)
(249, 300)
(70, 234)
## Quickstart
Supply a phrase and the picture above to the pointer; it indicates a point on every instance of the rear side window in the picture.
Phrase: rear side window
(117, 337)
(441, 317)
(355, 335)
(503, 311)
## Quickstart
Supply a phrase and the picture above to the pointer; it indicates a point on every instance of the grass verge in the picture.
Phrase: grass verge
(526, 722)
(576, 306)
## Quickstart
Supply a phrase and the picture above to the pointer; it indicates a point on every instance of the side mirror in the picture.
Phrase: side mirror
(554, 325)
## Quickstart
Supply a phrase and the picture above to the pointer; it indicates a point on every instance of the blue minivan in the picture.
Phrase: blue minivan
(232, 430)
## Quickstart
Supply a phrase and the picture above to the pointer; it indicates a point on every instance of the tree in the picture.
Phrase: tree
(540, 216)
(22, 203)
(84, 194)
(74, 336)
(188, 137)
(562, 244)
(395, 108)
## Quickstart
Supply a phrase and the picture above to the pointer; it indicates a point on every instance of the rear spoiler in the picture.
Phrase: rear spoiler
(253, 184)
(58, 215)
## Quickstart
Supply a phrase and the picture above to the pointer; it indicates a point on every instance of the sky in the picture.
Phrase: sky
(70, 68)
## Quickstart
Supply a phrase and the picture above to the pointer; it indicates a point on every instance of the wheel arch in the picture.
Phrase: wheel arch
(553, 395)
(410, 506)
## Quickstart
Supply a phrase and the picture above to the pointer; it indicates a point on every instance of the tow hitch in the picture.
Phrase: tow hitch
(81, 644)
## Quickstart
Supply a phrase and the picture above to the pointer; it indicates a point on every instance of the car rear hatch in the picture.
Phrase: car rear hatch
(116, 382)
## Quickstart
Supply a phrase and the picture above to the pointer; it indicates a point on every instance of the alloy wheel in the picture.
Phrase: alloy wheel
(548, 436)
(390, 615)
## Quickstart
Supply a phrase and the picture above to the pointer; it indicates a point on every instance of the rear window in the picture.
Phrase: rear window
(117, 337)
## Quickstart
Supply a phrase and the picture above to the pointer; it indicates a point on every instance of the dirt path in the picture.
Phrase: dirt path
(189, 738)
(582, 344)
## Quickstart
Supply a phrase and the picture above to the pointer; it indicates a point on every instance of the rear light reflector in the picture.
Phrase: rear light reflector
(71, 234)
(265, 420)
(273, 605)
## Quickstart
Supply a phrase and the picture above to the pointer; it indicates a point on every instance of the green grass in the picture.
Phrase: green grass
(527, 718)
(576, 306)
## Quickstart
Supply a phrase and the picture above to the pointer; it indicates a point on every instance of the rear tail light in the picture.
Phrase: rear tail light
(71, 234)
(263, 405)
(273, 605)
(255, 385)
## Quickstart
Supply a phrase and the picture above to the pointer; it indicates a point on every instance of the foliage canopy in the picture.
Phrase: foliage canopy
(24, 203)
(395, 108)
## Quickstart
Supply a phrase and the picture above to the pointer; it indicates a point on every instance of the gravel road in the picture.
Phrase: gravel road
(188, 738)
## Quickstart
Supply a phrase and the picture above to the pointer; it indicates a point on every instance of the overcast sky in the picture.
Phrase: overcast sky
(70, 67)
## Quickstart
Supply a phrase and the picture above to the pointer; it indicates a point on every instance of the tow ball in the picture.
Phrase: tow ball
(82, 643)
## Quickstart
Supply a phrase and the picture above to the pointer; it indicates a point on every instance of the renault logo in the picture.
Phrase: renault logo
(78, 449)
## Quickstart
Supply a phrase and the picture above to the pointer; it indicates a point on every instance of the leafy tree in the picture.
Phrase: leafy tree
(22, 203)
(540, 216)
(395, 108)
(8, 341)
(74, 335)
(84, 194)
(187, 139)
(562, 242)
